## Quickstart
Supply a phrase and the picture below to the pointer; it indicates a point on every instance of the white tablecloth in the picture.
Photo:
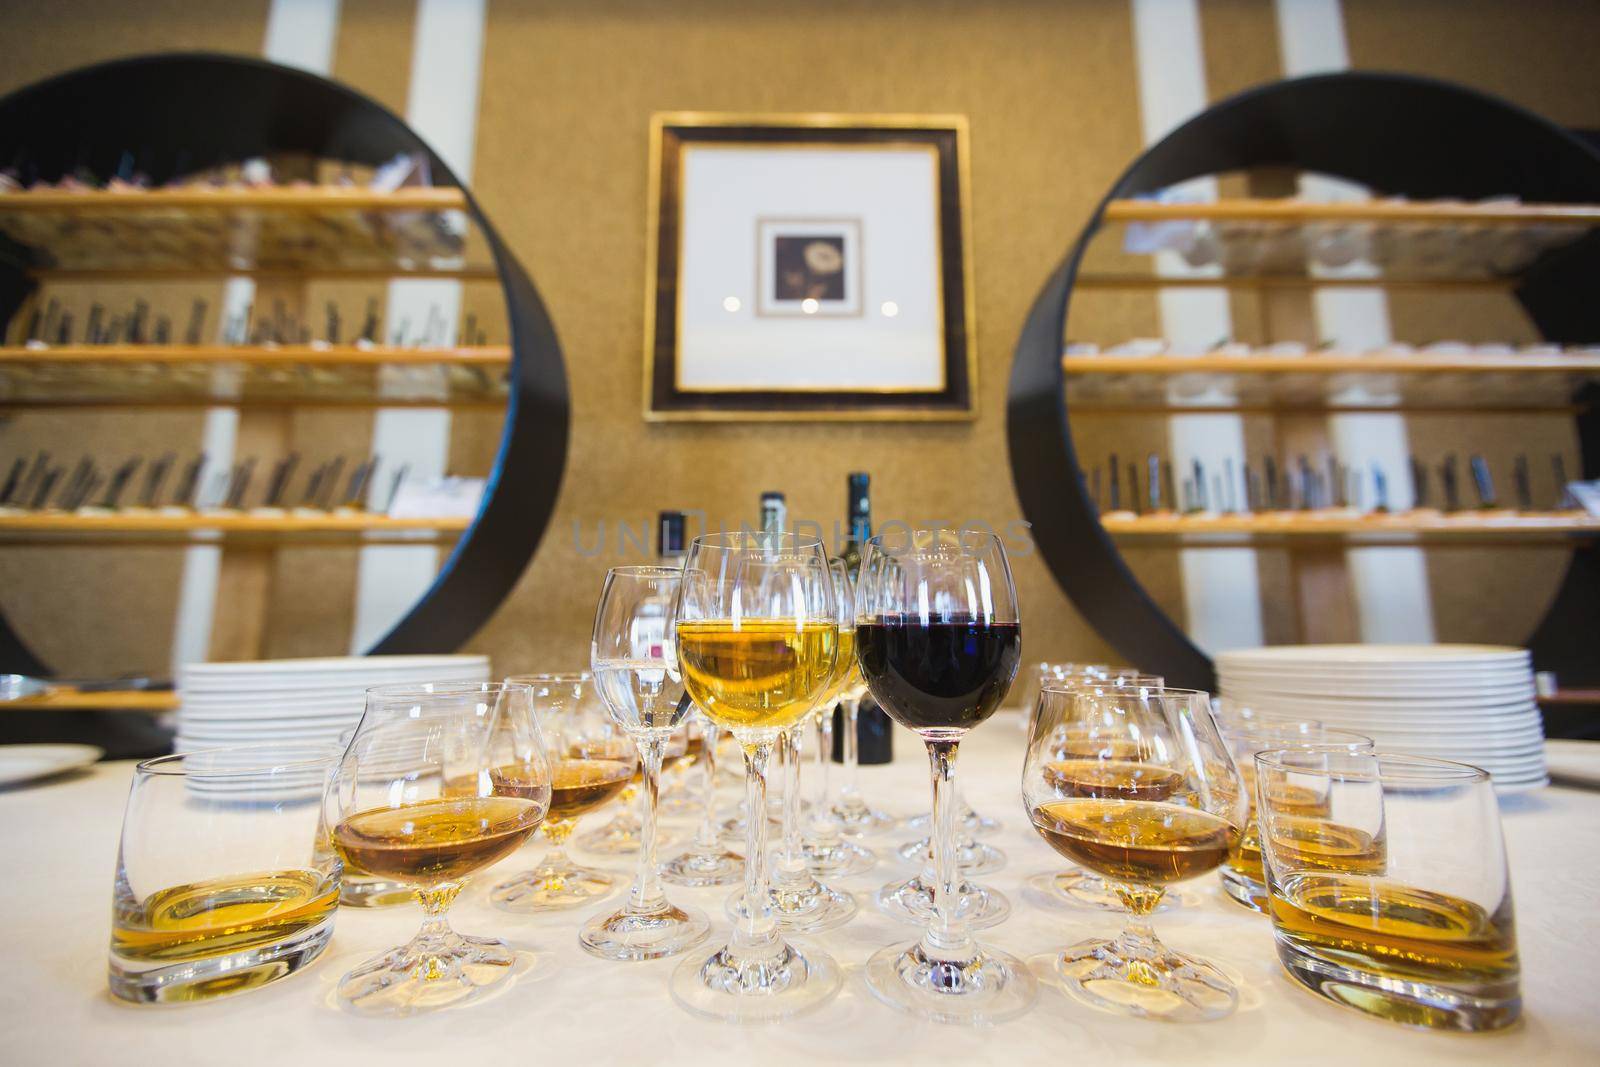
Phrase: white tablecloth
(59, 844)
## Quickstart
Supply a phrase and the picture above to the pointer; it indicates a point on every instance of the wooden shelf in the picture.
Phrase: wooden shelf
(1424, 381)
(1475, 525)
(1334, 363)
(306, 529)
(250, 376)
(308, 199)
(67, 699)
(308, 355)
(192, 232)
(1419, 212)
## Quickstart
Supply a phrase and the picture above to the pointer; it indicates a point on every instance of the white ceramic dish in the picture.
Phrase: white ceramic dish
(29, 763)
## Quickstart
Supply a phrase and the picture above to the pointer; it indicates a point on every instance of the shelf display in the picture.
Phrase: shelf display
(181, 245)
(1515, 211)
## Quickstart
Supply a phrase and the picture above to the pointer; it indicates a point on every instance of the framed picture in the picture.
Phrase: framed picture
(808, 267)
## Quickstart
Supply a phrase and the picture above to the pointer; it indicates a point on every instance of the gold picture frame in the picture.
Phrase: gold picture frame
(944, 138)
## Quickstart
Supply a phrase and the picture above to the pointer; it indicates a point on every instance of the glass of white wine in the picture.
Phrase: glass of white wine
(636, 672)
(757, 641)
(439, 782)
(224, 882)
(1389, 888)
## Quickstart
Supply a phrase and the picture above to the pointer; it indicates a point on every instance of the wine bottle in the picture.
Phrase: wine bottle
(774, 512)
(671, 544)
(874, 730)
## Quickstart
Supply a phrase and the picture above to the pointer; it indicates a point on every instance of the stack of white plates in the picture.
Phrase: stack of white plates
(297, 700)
(1469, 703)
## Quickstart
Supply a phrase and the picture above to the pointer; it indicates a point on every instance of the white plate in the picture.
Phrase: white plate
(357, 685)
(334, 663)
(25, 763)
(1379, 654)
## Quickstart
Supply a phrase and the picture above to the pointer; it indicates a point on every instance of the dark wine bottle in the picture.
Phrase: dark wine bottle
(874, 730)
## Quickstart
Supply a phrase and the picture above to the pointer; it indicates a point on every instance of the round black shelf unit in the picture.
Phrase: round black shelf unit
(207, 110)
(1400, 135)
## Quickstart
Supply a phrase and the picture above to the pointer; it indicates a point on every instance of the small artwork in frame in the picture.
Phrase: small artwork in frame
(808, 267)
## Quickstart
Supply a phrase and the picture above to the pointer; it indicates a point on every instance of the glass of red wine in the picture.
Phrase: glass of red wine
(939, 639)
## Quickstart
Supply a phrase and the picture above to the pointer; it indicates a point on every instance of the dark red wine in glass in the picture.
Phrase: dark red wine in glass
(942, 675)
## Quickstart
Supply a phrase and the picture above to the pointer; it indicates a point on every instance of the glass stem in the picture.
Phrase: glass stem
(852, 752)
(946, 937)
(824, 757)
(756, 933)
(792, 865)
(647, 898)
(706, 838)
(436, 901)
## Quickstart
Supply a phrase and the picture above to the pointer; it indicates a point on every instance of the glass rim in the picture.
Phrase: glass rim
(1391, 767)
(171, 765)
(1131, 690)
(910, 532)
(549, 676)
(640, 570)
(408, 690)
(735, 540)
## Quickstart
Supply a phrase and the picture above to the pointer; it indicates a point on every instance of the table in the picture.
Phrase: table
(60, 841)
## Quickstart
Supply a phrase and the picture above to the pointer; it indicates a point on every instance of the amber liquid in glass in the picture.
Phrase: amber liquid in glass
(581, 785)
(1395, 930)
(1136, 841)
(434, 841)
(1113, 779)
(222, 916)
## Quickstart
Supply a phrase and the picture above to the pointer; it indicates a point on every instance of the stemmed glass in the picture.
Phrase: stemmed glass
(587, 769)
(757, 642)
(705, 862)
(1146, 795)
(826, 849)
(856, 816)
(636, 671)
(438, 782)
(939, 638)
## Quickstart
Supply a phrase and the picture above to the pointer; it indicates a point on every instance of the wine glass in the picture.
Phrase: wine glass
(585, 773)
(757, 642)
(1242, 877)
(636, 671)
(1076, 885)
(939, 639)
(826, 849)
(439, 781)
(1136, 785)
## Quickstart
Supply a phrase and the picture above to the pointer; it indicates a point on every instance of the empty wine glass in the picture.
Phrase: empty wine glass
(757, 640)
(1136, 785)
(439, 781)
(636, 672)
(826, 849)
(939, 638)
(588, 767)
(706, 862)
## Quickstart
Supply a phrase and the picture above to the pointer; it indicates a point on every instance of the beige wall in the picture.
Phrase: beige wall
(1051, 94)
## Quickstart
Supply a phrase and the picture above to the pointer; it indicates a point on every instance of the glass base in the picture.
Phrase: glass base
(972, 855)
(547, 888)
(857, 818)
(624, 936)
(786, 982)
(971, 823)
(1131, 975)
(428, 973)
(838, 859)
(697, 868)
(1244, 890)
(983, 986)
(217, 976)
(1082, 889)
(619, 837)
(1484, 1006)
(808, 908)
(358, 892)
(911, 901)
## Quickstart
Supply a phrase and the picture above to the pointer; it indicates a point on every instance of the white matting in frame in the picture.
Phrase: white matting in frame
(876, 209)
